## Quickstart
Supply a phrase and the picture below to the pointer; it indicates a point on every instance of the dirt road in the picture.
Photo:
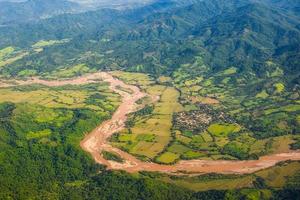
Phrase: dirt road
(97, 140)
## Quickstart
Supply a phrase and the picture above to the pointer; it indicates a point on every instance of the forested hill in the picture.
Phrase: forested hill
(22, 11)
(239, 33)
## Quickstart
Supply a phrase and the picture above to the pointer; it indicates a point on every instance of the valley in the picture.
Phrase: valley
(150, 100)
(97, 141)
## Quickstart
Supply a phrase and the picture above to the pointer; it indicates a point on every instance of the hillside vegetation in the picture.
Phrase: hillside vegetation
(225, 73)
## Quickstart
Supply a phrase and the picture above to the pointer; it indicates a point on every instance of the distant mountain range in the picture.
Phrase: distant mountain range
(112, 4)
(20, 11)
(244, 33)
(17, 12)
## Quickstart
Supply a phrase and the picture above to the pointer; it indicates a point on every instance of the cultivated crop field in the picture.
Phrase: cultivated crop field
(93, 96)
(228, 118)
(148, 131)
(41, 114)
(9, 55)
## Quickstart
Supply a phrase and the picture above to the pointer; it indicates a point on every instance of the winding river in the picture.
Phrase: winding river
(97, 140)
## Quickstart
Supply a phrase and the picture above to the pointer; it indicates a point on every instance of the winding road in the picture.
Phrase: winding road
(97, 140)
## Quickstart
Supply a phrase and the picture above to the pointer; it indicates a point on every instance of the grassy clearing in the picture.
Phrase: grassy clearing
(182, 139)
(167, 158)
(164, 79)
(45, 43)
(229, 71)
(287, 108)
(140, 79)
(236, 149)
(42, 114)
(38, 134)
(125, 137)
(6, 52)
(197, 146)
(263, 94)
(72, 71)
(206, 137)
(193, 155)
(178, 149)
(27, 73)
(146, 137)
(259, 147)
(279, 87)
(148, 149)
(278, 176)
(281, 144)
(13, 59)
(168, 102)
(223, 130)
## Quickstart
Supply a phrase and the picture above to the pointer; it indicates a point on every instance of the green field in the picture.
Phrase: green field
(167, 158)
(149, 132)
(72, 71)
(226, 137)
(9, 55)
(223, 130)
(6, 52)
(93, 96)
(45, 43)
(39, 134)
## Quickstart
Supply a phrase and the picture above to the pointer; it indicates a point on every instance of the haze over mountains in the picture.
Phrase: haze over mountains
(18, 11)
(32, 10)
(108, 3)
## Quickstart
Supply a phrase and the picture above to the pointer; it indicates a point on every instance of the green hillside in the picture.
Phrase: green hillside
(227, 74)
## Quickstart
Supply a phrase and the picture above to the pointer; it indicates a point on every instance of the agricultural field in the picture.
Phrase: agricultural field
(211, 121)
(69, 72)
(140, 79)
(6, 52)
(15, 56)
(148, 131)
(46, 43)
(49, 110)
(223, 121)
(9, 55)
(93, 96)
